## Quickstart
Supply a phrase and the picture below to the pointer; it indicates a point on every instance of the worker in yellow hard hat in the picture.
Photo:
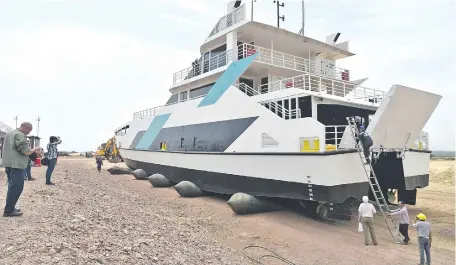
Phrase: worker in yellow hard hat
(423, 230)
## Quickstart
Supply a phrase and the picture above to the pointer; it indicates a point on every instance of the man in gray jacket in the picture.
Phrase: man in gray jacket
(16, 153)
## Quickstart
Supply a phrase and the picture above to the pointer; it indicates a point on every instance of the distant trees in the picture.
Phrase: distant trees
(443, 154)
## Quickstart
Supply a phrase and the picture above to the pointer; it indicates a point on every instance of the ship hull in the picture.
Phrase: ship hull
(241, 173)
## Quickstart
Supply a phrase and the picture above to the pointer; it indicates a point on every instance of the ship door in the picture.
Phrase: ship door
(401, 117)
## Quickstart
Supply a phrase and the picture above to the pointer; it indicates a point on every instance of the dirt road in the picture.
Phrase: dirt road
(97, 218)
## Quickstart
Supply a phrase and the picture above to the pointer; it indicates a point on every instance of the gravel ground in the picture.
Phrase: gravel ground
(91, 218)
(97, 218)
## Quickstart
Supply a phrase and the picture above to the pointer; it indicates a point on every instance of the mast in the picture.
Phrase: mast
(303, 17)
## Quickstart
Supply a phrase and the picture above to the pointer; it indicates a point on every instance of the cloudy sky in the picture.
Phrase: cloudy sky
(84, 66)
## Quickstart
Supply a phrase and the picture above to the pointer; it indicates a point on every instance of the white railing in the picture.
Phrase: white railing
(334, 135)
(281, 111)
(342, 45)
(283, 60)
(327, 86)
(247, 89)
(228, 20)
(203, 66)
(152, 112)
(271, 105)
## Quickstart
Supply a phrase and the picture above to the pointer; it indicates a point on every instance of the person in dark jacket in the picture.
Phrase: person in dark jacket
(99, 163)
(366, 142)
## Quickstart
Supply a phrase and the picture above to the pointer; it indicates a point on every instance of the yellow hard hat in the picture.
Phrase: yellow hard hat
(421, 216)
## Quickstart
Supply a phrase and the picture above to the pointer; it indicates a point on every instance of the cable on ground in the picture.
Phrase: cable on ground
(258, 260)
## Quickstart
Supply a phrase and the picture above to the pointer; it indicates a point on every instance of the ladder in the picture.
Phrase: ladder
(373, 183)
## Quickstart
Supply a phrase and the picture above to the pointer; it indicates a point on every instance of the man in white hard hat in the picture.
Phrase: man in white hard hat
(366, 212)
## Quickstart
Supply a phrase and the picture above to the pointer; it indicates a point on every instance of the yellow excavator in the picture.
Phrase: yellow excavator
(109, 151)
(100, 150)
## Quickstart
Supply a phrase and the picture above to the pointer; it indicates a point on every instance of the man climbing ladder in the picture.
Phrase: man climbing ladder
(364, 154)
(366, 142)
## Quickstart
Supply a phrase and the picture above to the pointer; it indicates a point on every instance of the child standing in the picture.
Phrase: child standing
(99, 163)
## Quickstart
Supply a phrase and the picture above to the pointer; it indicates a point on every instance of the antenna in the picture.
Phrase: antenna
(38, 128)
(303, 17)
(252, 9)
(278, 13)
(15, 118)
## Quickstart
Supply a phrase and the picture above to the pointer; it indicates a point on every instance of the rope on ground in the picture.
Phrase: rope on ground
(274, 255)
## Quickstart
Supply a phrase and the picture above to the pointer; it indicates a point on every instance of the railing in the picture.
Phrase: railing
(146, 113)
(342, 45)
(328, 86)
(334, 135)
(271, 105)
(280, 59)
(228, 20)
(281, 111)
(203, 66)
(247, 89)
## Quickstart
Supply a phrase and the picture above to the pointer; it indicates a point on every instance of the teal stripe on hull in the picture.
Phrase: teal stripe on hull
(233, 72)
(154, 128)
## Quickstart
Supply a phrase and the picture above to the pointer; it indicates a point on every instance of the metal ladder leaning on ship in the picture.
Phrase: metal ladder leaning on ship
(373, 183)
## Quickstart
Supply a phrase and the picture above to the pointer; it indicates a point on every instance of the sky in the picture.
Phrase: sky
(84, 66)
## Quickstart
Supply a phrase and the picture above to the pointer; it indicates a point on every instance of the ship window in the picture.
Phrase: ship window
(183, 96)
(286, 106)
(173, 99)
(200, 91)
(305, 105)
(264, 85)
(194, 143)
(182, 143)
(279, 109)
(218, 57)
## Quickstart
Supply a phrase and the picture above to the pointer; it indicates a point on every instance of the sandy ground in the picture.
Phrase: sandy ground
(97, 218)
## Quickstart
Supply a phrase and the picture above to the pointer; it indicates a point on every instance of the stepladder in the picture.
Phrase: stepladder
(381, 201)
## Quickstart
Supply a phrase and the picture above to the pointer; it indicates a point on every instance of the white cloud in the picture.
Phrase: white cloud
(184, 21)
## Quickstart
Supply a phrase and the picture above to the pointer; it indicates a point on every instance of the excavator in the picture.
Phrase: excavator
(109, 151)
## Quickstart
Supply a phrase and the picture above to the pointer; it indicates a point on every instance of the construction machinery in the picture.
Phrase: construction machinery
(111, 151)
(100, 150)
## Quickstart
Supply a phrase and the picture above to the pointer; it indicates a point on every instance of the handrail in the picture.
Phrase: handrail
(334, 134)
(281, 59)
(139, 115)
(200, 67)
(228, 20)
(329, 86)
(285, 112)
(247, 89)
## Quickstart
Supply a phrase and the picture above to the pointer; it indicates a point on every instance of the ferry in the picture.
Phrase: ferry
(264, 111)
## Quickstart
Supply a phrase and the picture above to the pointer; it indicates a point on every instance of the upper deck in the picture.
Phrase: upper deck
(289, 53)
(285, 60)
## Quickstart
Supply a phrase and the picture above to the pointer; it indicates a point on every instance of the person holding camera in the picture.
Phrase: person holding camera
(16, 152)
(28, 171)
(52, 155)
